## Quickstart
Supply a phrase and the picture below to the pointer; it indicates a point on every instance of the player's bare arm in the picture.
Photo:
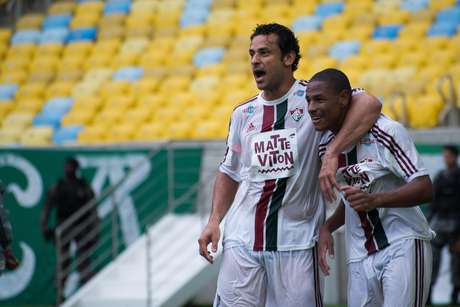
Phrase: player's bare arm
(224, 192)
(326, 241)
(363, 113)
(414, 193)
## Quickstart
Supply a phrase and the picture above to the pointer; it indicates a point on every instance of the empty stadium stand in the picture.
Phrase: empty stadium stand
(114, 71)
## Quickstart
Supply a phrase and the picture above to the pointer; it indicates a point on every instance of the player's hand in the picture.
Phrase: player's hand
(326, 246)
(327, 181)
(359, 200)
(210, 234)
(11, 262)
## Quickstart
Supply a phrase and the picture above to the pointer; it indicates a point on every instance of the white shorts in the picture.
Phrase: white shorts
(272, 279)
(398, 276)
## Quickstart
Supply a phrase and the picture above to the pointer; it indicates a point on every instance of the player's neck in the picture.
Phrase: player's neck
(280, 91)
(336, 128)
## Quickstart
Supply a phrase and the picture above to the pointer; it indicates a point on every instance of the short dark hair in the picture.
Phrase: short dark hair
(452, 148)
(287, 42)
(72, 161)
(337, 79)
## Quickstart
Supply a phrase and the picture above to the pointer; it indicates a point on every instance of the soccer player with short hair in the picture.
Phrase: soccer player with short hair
(267, 186)
(387, 235)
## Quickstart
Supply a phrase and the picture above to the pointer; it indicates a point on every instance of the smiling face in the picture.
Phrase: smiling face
(270, 68)
(327, 109)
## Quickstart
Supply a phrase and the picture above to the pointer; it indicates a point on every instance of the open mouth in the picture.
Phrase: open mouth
(315, 119)
(259, 73)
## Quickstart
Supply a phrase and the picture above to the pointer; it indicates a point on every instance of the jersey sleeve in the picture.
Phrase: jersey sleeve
(232, 160)
(400, 154)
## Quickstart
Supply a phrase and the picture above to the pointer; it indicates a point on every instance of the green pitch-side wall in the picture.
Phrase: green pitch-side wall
(28, 174)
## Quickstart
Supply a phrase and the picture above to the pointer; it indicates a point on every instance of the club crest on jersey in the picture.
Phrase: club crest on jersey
(296, 114)
(299, 93)
(249, 110)
(251, 127)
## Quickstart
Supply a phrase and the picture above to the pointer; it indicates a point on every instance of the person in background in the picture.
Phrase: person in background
(444, 217)
(7, 259)
(67, 197)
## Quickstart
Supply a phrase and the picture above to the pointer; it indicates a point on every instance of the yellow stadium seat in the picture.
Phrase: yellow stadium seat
(84, 21)
(114, 88)
(22, 50)
(9, 136)
(122, 133)
(180, 130)
(89, 7)
(142, 6)
(204, 83)
(69, 75)
(123, 102)
(356, 62)
(16, 64)
(31, 90)
(213, 69)
(81, 117)
(422, 16)
(141, 32)
(155, 72)
(177, 83)
(414, 30)
(37, 136)
(62, 8)
(41, 76)
(98, 75)
(111, 20)
(16, 77)
(112, 33)
(335, 22)
(387, 60)
(29, 105)
(109, 116)
(208, 130)
(136, 46)
(92, 134)
(92, 103)
(151, 102)
(106, 47)
(415, 58)
(144, 87)
(394, 17)
(71, 62)
(137, 115)
(5, 107)
(125, 59)
(59, 89)
(150, 131)
(18, 119)
(441, 4)
(189, 43)
(81, 48)
(29, 22)
(5, 35)
(53, 49)
(435, 43)
(97, 61)
(223, 4)
(84, 89)
(166, 115)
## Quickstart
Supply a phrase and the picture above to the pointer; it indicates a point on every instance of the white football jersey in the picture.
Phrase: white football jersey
(383, 160)
(272, 153)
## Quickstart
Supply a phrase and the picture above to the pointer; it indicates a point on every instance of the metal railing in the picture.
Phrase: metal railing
(97, 240)
(175, 184)
(450, 114)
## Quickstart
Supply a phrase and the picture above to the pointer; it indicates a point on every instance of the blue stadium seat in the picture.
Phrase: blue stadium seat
(342, 50)
(56, 21)
(194, 16)
(66, 134)
(329, 9)
(117, 7)
(442, 29)
(449, 15)
(387, 32)
(413, 5)
(207, 56)
(60, 105)
(8, 91)
(307, 23)
(83, 34)
(25, 37)
(131, 73)
(197, 4)
(47, 119)
(56, 35)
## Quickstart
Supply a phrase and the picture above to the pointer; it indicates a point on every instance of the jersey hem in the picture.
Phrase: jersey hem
(423, 238)
(278, 248)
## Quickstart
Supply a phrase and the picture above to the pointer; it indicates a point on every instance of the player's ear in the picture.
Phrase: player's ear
(344, 98)
(289, 58)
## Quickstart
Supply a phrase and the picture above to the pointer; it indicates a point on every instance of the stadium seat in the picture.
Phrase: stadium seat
(17, 120)
(25, 37)
(443, 29)
(82, 34)
(37, 136)
(387, 32)
(325, 10)
(342, 50)
(307, 23)
(62, 8)
(29, 22)
(57, 21)
(8, 91)
(208, 56)
(66, 135)
(117, 7)
(414, 5)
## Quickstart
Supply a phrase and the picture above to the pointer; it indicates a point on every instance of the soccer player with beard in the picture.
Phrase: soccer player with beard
(267, 186)
(387, 236)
